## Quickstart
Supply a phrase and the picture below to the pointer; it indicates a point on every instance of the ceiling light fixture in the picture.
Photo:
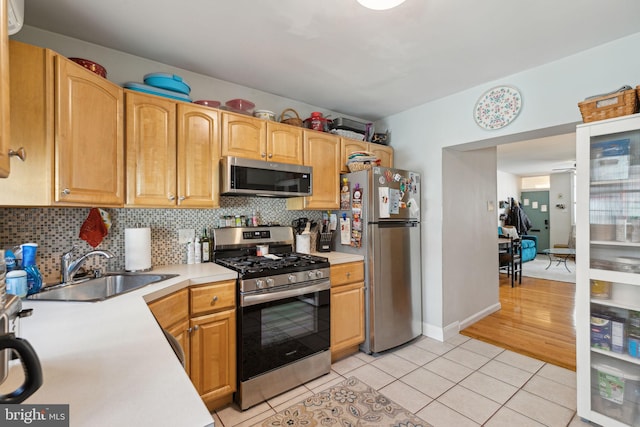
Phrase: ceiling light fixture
(380, 4)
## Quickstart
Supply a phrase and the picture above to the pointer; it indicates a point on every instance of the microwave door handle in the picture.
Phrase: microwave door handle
(249, 300)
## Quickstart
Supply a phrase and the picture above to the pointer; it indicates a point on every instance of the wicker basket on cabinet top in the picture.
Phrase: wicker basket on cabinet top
(609, 106)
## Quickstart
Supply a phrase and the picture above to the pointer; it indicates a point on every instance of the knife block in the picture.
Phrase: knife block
(324, 242)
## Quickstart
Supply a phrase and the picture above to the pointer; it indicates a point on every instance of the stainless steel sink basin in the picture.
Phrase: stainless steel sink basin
(101, 288)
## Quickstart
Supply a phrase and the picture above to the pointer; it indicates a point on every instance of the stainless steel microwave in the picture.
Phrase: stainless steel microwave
(245, 177)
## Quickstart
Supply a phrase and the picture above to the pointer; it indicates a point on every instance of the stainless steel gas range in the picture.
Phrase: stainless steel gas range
(283, 313)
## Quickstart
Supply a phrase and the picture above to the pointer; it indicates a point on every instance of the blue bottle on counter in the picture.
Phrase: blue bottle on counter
(34, 278)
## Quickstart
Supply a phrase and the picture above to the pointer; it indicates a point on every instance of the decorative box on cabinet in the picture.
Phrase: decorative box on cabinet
(70, 122)
(347, 308)
(322, 153)
(259, 139)
(608, 271)
(173, 153)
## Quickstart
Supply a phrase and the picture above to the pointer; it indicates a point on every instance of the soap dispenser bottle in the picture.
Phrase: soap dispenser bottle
(34, 278)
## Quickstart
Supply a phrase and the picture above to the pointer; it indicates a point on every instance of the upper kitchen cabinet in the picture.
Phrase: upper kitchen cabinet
(284, 143)
(322, 153)
(258, 139)
(4, 92)
(70, 123)
(173, 153)
(348, 146)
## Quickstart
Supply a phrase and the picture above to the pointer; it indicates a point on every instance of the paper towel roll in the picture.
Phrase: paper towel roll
(137, 249)
(303, 243)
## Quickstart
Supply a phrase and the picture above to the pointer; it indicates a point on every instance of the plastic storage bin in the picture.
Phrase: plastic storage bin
(615, 389)
(167, 81)
(152, 90)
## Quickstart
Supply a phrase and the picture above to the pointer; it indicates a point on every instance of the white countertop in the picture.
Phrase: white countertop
(110, 361)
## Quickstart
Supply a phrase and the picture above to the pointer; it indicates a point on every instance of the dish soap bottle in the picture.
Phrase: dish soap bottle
(34, 278)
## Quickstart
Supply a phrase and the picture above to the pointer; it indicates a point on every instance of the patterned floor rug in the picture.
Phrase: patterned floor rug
(350, 403)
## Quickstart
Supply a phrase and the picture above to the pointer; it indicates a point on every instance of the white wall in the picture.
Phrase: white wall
(560, 219)
(550, 95)
(469, 191)
(508, 187)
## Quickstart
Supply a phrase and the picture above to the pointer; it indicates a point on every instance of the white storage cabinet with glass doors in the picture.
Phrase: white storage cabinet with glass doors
(608, 271)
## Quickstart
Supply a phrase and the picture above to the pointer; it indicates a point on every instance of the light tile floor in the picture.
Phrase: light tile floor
(460, 382)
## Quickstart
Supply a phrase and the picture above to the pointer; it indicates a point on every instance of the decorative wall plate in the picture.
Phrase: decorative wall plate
(497, 107)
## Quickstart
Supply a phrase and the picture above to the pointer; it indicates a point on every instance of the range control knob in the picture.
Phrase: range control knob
(259, 283)
(311, 274)
(270, 282)
(319, 274)
(292, 278)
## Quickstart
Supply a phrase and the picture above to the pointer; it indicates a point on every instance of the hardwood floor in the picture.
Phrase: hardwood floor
(537, 319)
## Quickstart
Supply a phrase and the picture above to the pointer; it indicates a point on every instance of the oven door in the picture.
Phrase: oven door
(279, 327)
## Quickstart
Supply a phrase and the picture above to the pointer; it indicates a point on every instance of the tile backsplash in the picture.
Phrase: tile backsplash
(55, 230)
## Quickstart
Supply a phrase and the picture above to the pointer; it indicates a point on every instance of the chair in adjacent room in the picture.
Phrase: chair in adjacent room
(510, 261)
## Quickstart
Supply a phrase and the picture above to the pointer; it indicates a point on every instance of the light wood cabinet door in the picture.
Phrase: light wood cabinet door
(89, 149)
(172, 314)
(347, 318)
(151, 150)
(322, 153)
(70, 122)
(348, 146)
(180, 331)
(4, 92)
(243, 136)
(347, 308)
(284, 143)
(384, 153)
(198, 157)
(213, 356)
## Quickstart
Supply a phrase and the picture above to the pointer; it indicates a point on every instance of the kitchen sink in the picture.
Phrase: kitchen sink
(100, 288)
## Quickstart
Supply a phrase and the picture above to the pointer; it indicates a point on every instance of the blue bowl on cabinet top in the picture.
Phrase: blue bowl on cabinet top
(167, 81)
(152, 90)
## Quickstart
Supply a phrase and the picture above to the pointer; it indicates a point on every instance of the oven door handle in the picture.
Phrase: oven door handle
(249, 300)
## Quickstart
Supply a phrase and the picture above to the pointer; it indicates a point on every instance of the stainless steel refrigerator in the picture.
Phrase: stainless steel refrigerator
(380, 214)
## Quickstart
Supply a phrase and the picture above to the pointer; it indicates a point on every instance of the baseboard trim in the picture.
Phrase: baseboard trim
(479, 315)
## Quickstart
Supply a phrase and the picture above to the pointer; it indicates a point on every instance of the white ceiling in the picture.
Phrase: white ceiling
(337, 55)
(554, 154)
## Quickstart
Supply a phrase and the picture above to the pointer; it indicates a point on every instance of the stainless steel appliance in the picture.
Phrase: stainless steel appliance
(10, 313)
(283, 313)
(241, 177)
(382, 209)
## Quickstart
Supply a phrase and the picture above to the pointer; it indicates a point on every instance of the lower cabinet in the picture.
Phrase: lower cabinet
(203, 320)
(347, 309)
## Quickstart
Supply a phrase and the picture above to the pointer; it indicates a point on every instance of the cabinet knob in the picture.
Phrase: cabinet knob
(348, 274)
(263, 155)
(181, 198)
(270, 155)
(214, 299)
(66, 192)
(171, 197)
(21, 153)
(195, 328)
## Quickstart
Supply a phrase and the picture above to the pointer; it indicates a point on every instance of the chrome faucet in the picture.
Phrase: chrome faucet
(69, 268)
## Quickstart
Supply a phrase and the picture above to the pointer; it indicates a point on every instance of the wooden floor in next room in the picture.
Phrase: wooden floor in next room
(536, 319)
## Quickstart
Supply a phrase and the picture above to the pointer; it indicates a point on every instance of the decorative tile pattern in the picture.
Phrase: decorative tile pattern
(57, 229)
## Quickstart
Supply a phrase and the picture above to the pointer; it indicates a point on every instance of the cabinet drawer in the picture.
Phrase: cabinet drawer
(213, 297)
(347, 273)
(171, 309)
